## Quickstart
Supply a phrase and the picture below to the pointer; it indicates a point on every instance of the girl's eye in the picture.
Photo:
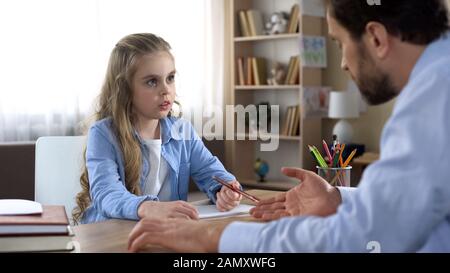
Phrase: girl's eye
(152, 83)
(171, 78)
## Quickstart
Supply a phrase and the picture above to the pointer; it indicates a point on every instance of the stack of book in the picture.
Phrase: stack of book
(48, 231)
(251, 71)
(291, 124)
(251, 23)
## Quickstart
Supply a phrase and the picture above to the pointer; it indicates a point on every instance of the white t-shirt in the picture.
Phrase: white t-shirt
(156, 183)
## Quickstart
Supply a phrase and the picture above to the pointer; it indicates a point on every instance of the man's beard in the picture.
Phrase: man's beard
(375, 86)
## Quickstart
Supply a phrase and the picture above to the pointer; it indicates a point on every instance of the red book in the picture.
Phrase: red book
(53, 220)
(49, 231)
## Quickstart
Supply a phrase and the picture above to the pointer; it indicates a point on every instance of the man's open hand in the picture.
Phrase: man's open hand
(313, 196)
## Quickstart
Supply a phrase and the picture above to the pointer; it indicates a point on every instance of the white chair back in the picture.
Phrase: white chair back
(59, 163)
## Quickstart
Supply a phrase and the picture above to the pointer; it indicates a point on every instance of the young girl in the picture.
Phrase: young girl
(135, 166)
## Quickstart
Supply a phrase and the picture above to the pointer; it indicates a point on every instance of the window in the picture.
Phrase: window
(54, 55)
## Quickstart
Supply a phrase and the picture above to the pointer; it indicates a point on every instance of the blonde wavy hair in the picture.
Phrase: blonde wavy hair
(115, 101)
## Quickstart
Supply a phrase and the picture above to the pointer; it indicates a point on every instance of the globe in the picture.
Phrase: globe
(261, 168)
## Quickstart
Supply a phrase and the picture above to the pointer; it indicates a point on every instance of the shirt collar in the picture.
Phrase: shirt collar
(165, 132)
(432, 52)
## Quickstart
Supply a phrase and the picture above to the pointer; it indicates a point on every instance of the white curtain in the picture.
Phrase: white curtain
(53, 56)
(214, 59)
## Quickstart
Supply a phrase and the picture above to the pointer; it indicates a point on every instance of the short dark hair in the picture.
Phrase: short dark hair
(414, 21)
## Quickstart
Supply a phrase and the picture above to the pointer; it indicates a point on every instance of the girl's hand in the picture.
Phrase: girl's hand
(228, 199)
(162, 210)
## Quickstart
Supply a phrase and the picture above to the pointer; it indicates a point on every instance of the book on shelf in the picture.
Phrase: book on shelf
(287, 117)
(254, 65)
(293, 23)
(244, 24)
(249, 66)
(296, 128)
(49, 231)
(262, 70)
(295, 76)
(251, 23)
(259, 71)
(251, 71)
(240, 71)
(293, 73)
(289, 70)
(291, 123)
(255, 22)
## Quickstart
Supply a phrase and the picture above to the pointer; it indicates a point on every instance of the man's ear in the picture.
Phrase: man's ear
(377, 39)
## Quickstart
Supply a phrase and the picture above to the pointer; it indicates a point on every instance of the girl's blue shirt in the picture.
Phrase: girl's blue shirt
(183, 150)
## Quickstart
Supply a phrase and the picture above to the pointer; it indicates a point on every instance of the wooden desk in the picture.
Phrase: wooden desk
(112, 235)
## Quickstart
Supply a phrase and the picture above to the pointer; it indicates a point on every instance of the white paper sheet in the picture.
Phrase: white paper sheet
(211, 211)
(19, 207)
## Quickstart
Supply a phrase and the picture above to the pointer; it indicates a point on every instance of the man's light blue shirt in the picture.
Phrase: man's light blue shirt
(181, 147)
(403, 201)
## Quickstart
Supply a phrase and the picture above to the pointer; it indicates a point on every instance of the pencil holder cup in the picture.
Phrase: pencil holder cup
(336, 176)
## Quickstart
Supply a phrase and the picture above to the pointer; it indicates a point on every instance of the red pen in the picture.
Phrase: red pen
(249, 196)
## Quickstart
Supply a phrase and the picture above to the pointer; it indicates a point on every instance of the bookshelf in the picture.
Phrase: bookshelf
(292, 149)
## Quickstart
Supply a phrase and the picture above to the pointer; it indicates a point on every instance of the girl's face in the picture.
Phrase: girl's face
(153, 86)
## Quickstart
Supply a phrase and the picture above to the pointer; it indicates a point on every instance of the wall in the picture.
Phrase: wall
(17, 170)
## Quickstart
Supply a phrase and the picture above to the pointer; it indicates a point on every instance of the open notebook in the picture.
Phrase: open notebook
(211, 211)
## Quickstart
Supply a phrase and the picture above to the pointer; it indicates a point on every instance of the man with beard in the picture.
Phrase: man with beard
(399, 48)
